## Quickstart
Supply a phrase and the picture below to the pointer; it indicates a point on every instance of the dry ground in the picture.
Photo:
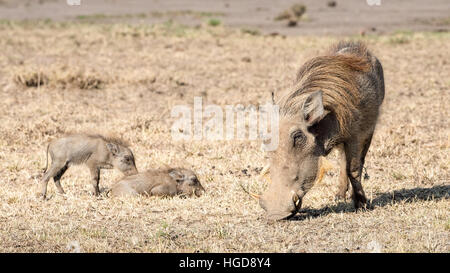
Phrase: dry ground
(348, 17)
(125, 79)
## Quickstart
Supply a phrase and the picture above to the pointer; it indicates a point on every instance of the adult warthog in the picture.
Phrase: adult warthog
(334, 102)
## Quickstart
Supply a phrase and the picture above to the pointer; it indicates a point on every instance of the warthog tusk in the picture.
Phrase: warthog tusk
(295, 198)
(254, 195)
(265, 170)
(264, 173)
(325, 166)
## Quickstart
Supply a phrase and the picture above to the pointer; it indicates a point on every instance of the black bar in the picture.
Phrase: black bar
(220, 262)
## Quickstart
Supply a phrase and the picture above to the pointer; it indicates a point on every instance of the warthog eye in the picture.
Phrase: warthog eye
(299, 139)
(127, 159)
(193, 181)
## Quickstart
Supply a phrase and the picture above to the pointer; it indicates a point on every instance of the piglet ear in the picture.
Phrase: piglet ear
(113, 148)
(313, 110)
(176, 175)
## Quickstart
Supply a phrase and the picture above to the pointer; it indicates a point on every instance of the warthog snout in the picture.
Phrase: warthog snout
(133, 170)
(187, 182)
(280, 206)
(199, 191)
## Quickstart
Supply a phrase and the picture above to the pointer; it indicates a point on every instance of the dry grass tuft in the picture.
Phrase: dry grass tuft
(81, 80)
(60, 77)
(30, 78)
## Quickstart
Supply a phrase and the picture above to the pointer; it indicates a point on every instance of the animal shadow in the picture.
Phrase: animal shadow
(381, 200)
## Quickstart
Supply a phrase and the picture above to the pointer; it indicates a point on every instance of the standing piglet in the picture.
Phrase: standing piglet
(96, 151)
(162, 182)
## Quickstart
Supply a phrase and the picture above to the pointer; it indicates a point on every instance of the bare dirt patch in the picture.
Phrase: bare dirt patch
(346, 17)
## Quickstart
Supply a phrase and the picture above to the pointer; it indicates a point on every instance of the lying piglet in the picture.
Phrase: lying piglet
(161, 182)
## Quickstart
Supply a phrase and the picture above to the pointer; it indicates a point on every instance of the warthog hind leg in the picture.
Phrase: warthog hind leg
(58, 176)
(54, 170)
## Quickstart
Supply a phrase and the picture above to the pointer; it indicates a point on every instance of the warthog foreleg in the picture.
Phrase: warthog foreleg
(354, 168)
(95, 179)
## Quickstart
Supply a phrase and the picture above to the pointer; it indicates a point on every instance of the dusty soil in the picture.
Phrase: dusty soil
(347, 17)
(124, 79)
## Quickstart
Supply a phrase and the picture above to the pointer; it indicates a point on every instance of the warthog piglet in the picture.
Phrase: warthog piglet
(96, 151)
(161, 182)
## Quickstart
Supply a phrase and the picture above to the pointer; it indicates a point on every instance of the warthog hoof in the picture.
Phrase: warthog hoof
(94, 193)
(41, 196)
(361, 203)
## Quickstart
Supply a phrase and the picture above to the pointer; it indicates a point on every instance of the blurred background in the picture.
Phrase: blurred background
(289, 17)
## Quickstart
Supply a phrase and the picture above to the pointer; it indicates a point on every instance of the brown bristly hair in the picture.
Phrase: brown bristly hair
(334, 74)
(107, 137)
(114, 139)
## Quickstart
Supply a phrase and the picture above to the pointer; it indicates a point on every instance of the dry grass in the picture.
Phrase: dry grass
(61, 77)
(144, 72)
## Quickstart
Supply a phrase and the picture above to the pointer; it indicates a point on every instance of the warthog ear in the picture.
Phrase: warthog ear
(113, 148)
(176, 175)
(313, 110)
